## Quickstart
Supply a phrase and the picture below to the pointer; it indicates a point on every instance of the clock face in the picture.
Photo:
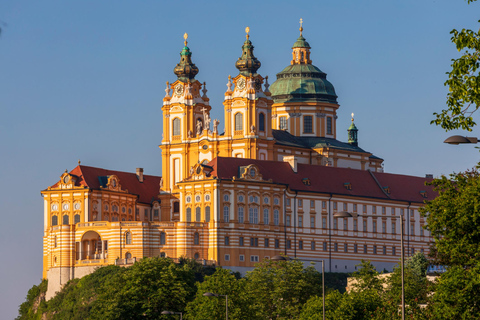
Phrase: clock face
(178, 89)
(241, 84)
(66, 179)
(54, 207)
(258, 85)
(65, 206)
(77, 206)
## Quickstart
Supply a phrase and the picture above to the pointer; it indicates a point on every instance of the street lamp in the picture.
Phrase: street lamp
(209, 294)
(282, 258)
(345, 214)
(172, 312)
(460, 140)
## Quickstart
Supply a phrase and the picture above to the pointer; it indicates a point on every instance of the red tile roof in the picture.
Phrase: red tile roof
(147, 190)
(330, 179)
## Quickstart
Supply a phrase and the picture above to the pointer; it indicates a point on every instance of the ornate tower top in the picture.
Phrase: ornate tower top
(247, 63)
(353, 134)
(185, 69)
(301, 49)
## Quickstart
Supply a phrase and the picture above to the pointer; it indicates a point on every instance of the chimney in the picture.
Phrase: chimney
(292, 160)
(429, 176)
(140, 174)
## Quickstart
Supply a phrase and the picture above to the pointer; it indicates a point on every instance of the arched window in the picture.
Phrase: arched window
(307, 124)
(128, 238)
(207, 213)
(176, 127)
(261, 122)
(276, 217)
(128, 255)
(196, 256)
(241, 215)
(198, 214)
(253, 215)
(238, 121)
(176, 207)
(65, 219)
(196, 238)
(76, 218)
(226, 214)
(266, 216)
(189, 214)
(163, 238)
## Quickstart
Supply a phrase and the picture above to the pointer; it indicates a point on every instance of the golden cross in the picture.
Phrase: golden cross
(352, 116)
(301, 28)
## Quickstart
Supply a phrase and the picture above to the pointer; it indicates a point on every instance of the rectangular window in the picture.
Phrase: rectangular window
(374, 249)
(155, 213)
(283, 123)
(393, 211)
(335, 206)
(365, 248)
(300, 203)
(355, 207)
(241, 258)
(383, 210)
(312, 245)
(364, 208)
(288, 201)
(241, 215)
(329, 125)
(324, 246)
(345, 247)
(335, 223)
(300, 245)
(355, 248)
(288, 221)
(421, 231)
(394, 229)
(324, 223)
(384, 227)
(226, 214)
(364, 225)
(384, 250)
(145, 213)
(240, 241)
(374, 209)
(266, 216)
(276, 217)
(312, 222)
(374, 226)
(289, 244)
(277, 243)
(335, 247)
(254, 259)
(307, 124)
(324, 204)
(344, 207)
(345, 224)
(412, 251)
(300, 221)
(412, 228)
(266, 242)
(393, 251)
(227, 241)
(312, 204)
(253, 242)
(227, 257)
(355, 227)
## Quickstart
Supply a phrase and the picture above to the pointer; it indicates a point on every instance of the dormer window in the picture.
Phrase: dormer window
(252, 172)
(347, 185)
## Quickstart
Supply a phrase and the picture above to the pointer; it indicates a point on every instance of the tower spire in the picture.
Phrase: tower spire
(185, 70)
(247, 63)
(301, 49)
(353, 134)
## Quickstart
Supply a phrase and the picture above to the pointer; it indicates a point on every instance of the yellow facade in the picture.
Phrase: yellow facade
(258, 189)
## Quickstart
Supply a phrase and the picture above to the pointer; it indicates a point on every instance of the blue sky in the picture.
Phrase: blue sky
(85, 80)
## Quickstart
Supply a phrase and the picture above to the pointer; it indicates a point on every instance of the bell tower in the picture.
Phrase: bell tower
(185, 115)
(248, 107)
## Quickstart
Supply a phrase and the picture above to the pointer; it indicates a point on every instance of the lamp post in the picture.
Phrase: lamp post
(460, 140)
(172, 312)
(345, 214)
(209, 294)
(281, 258)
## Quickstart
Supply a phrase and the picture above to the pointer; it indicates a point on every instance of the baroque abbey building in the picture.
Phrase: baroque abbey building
(269, 184)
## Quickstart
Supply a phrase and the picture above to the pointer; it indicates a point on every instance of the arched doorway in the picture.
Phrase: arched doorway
(91, 247)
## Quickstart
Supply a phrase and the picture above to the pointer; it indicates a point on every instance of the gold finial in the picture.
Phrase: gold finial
(247, 30)
(301, 28)
(229, 77)
(185, 36)
(352, 116)
(78, 161)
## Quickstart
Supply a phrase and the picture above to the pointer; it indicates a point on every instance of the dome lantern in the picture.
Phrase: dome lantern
(185, 70)
(247, 63)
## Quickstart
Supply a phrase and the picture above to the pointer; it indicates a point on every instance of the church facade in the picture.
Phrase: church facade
(270, 184)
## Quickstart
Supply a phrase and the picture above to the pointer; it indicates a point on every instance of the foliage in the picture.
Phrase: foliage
(453, 218)
(457, 295)
(34, 304)
(463, 81)
(222, 282)
(281, 288)
(367, 277)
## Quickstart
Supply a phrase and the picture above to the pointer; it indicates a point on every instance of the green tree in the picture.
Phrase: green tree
(463, 82)
(453, 218)
(281, 288)
(367, 277)
(34, 304)
(222, 282)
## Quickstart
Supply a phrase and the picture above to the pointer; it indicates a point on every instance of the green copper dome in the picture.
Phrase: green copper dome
(302, 83)
(301, 43)
(185, 70)
(247, 64)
